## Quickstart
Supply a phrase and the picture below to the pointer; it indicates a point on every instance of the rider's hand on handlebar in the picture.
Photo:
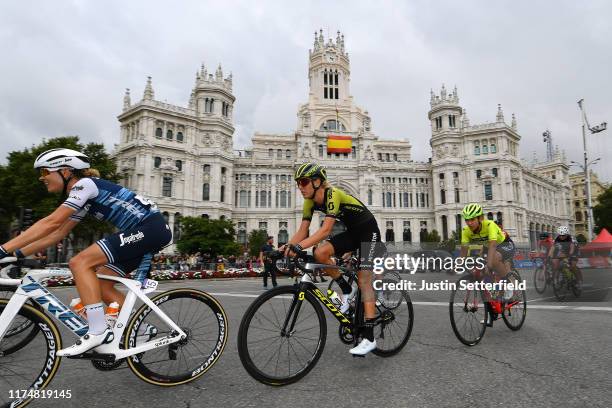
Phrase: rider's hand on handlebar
(3, 253)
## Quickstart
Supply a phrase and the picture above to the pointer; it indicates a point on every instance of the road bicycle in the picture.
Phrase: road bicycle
(564, 281)
(283, 332)
(472, 309)
(173, 337)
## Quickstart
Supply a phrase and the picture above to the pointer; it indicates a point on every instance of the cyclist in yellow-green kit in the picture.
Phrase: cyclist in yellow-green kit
(362, 233)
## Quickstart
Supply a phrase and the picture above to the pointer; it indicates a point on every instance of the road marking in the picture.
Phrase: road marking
(445, 304)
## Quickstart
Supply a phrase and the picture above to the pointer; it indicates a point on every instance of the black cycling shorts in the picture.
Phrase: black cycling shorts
(134, 248)
(507, 250)
(365, 238)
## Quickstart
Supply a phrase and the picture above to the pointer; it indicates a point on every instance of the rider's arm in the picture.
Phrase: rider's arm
(51, 239)
(491, 253)
(41, 228)
(301, 233)
(321, 233)
(261, 257)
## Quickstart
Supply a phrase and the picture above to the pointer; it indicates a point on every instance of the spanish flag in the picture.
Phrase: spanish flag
(339, 144)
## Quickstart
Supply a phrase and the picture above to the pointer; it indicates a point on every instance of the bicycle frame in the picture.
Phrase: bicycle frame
(306, 285)
(29, 287)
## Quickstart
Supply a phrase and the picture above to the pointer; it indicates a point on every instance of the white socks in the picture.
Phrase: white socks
(95, 317)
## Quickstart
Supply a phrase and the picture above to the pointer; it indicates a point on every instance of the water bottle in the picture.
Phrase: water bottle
(112, 312)
(77, 307)
(334, 298)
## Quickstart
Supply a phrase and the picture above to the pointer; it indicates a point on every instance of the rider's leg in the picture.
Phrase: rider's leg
(574, 268)
(364, 278)
(323, 255)
(109, 293)
(83, 267)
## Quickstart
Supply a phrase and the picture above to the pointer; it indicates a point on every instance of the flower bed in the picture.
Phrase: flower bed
(174, 275)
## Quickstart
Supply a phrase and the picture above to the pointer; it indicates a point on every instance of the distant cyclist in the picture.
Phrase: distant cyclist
(361, 233)
(142, 231)
(565, 246)
(500, 248)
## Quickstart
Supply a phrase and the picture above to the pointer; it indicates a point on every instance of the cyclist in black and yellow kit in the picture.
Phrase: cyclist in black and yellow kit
(361, 233)
(486, 232)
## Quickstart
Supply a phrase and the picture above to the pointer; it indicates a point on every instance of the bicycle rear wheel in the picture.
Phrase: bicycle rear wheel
(468, 312)
(515, 309)
(199, 315)
(394, 325)
(28, 365)
(273, 357)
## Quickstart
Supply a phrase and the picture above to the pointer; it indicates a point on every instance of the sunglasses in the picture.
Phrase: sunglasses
(45, 172)
(303, 182)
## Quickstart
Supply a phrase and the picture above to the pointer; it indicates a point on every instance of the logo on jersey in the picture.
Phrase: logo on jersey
(132, 209)
(75, 197)
(138, 236)
(77, 188)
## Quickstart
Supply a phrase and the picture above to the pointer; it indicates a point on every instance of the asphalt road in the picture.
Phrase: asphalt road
(561, 357)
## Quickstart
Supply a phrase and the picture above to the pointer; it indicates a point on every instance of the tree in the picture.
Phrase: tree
(257, 238)
(433, 236)
(21, 188)
(205, 235)
(602, 212)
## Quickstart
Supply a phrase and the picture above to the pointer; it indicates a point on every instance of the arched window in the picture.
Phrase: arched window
(283, 237)
(179, 165)
(159, 133)
(206, 192)
(169, 135)
(331, 125)
(157, 162)
(179, 137)
(206, 169)
(205, 216)
(389, 236)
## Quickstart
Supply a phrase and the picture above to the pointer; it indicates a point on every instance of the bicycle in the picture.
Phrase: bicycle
(541, 279)
(564, 280)
(471, 308)
(155, 345)
(288, 323)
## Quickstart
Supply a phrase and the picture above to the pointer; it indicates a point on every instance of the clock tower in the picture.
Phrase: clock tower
(329, 70)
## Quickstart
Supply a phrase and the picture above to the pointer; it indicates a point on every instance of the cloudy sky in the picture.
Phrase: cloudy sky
(65, 64)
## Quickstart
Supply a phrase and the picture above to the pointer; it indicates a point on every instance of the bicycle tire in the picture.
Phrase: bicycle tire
(539, 280)
(246, 349)
(472, 308)
(142, 364)
(380, 332)
(9, 359)
(6, 292)
(560, 285)
(520, 297)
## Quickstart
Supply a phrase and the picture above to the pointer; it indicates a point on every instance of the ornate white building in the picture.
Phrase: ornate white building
(183, 159)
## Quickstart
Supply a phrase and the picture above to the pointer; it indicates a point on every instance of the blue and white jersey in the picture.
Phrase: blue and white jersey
(108, 201)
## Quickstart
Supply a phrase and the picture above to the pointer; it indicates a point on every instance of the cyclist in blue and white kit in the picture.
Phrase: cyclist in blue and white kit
(141, 231)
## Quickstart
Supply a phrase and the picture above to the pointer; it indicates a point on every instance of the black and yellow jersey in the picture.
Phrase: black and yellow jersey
(489, 231)
(340, 205)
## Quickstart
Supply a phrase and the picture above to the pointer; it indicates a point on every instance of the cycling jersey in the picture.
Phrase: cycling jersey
(109, 202)
(340, 205)
(563, 246)
(489, 231)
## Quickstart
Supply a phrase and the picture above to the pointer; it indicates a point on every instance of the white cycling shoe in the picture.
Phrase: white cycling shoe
(346, 301)
(87, 342)
(363, 348)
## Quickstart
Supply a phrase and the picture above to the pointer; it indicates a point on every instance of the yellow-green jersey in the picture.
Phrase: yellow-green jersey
(341, 206)
(489, 231)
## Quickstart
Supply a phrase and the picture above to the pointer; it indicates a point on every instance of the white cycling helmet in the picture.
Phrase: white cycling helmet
(59, 158)
(563, 230)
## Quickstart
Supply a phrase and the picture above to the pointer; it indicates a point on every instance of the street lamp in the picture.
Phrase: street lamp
(587, 177)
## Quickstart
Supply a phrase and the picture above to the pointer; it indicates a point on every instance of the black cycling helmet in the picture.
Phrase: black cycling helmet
(310, 170)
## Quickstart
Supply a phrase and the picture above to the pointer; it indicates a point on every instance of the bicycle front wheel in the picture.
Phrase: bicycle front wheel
(267, 353)
(199, 315)
(468, 312)
(539, 279)
(26, 368)
(515, 309)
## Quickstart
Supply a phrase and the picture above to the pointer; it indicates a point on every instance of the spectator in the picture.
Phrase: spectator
(267, 262)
